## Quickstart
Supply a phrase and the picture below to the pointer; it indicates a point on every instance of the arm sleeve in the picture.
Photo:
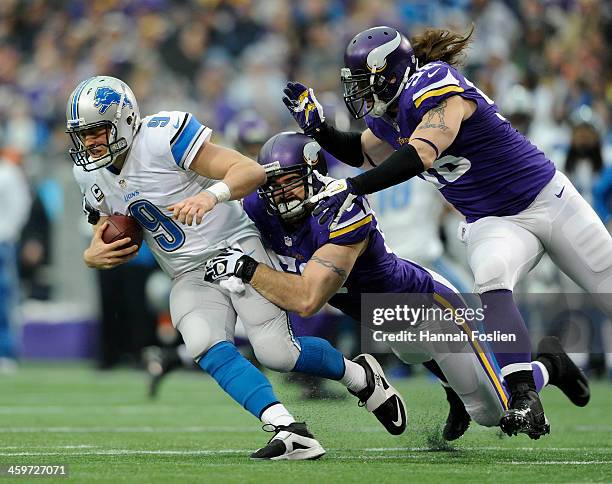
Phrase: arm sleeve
(344, 145)
(402, 165)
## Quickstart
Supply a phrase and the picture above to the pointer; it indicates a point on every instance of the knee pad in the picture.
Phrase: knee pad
(491, 273)
(275, 352)
(197, 335)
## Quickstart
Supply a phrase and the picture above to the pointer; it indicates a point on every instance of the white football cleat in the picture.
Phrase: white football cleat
(380, 398)
(290, 442)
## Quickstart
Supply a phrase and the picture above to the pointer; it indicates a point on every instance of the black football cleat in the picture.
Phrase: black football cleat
(458, 419)
(525, 415)
(565, 374)
(290, 442)
(159, 362)
(380, 398)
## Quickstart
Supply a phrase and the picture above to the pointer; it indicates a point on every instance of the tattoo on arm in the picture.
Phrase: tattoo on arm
(435, 118)
(341, 272)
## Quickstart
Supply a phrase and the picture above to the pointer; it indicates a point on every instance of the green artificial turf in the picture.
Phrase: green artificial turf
(103, 426)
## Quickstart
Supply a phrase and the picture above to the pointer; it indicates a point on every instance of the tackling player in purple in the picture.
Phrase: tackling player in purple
(425, 119)
(337, 266)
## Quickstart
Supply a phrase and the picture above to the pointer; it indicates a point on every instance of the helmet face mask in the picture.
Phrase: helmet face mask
(82, 155)
(362, 91)
(279, 194)
(101, 102)
(378, 63)
(290, 160)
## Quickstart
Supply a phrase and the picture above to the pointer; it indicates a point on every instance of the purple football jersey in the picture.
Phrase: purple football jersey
(377, 269)
(490, 169)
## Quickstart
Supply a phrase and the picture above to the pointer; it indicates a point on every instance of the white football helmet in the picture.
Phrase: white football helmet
(101, 101)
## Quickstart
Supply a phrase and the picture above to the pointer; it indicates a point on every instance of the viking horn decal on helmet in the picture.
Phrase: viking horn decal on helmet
(377, 58)
(311, 152)
(377, 64)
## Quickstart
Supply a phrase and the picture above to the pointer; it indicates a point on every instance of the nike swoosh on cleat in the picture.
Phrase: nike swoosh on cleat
(398, 422)
(176, 126)
(558, 195)
(585, 390)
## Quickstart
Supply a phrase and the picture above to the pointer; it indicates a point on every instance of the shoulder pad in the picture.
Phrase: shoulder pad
(175, 131)
(354, 225)
(432, 84)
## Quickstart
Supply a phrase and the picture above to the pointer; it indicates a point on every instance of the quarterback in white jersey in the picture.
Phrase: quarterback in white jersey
(155, 176)
(183, 190)
(164, 171)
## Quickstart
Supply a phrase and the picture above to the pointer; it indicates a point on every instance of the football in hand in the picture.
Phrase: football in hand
(121, 226)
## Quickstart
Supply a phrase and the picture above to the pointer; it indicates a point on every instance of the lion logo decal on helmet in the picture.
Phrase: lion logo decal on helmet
(106, 96)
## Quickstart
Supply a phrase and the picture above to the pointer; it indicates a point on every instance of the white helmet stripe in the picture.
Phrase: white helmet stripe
(378, 56)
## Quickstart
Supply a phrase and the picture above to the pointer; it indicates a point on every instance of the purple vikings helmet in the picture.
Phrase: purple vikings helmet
(290, 153)
(247, 132)
(378, 63)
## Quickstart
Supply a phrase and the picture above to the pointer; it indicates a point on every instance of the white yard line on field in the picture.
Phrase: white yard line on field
(110, 409)
(72, 451)
(142, 429)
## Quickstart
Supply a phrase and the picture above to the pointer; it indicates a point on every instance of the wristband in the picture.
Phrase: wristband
(245, 268)
(220, 191)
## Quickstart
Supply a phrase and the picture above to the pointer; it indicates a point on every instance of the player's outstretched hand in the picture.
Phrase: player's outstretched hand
(100, 255)
(303, 106)
(193, 208)
(333, 201)
(223, 265)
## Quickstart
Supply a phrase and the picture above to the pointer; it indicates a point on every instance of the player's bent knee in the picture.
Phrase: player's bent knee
(484, 416)
(274, 354)
(492, 273)
(197, 336)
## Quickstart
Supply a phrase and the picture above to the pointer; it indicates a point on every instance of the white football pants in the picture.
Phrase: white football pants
(205, 314)
(501, 250)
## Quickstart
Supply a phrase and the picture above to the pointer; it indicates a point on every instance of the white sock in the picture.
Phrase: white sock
(277, 415)
(354, 377)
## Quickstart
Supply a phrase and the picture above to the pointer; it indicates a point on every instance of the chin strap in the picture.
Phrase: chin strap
(380, 107)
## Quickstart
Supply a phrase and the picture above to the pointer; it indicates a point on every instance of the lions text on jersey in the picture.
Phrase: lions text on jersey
(156, 175)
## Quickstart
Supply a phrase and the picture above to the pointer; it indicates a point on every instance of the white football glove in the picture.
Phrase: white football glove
(223, 265)
(332, 202)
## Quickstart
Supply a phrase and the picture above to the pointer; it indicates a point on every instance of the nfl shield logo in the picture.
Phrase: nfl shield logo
(288, 241)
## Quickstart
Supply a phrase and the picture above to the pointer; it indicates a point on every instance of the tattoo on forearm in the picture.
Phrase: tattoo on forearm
(330, 266)
(435, 118)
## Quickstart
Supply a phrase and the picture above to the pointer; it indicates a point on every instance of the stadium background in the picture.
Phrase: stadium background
(547, 64)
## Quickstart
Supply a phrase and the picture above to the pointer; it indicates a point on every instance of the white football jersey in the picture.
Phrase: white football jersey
(156, 175)
(409, 216)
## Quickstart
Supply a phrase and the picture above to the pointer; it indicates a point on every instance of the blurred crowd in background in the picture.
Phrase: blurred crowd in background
(546, 63)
